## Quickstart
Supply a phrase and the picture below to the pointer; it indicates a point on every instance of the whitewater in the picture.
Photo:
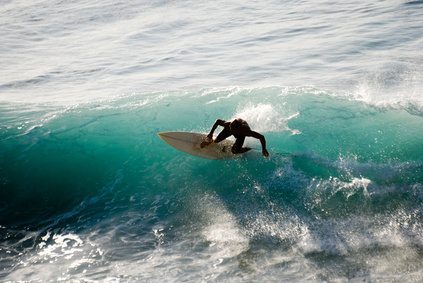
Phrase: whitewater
(90, 193)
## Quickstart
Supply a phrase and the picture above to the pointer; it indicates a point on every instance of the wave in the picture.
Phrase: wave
(60, 158)
(344, 178)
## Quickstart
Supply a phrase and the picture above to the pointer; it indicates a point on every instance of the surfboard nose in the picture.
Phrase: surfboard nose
(163, 135)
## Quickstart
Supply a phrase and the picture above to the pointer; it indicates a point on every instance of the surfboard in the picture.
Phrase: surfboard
(190, 143)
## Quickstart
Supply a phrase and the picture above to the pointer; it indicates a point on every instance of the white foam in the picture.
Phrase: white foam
(398, 87)
(58, 256)
(263, 117)
(223, 93)
(222, 232)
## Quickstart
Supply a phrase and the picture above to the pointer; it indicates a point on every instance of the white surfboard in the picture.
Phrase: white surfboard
(190, 143)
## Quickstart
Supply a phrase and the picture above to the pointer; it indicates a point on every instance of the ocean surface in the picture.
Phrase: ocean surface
(89, 193)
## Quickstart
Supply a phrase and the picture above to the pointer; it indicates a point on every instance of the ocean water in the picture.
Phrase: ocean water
(89, 193)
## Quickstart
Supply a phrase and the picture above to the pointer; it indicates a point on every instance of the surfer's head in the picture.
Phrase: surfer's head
(238, 124)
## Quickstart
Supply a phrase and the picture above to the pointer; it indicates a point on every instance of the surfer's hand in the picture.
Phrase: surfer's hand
(206, 142)
(265, 153)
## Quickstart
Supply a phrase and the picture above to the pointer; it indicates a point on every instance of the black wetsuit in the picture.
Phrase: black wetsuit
(227, 132)
(239, 129)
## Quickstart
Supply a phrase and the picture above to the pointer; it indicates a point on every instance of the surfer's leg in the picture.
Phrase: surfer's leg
(222, 135)
(237, 147)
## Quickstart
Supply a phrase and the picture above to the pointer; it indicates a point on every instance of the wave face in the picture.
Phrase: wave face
(90, 192)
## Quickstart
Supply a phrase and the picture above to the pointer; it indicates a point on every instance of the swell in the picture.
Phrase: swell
(323, 147)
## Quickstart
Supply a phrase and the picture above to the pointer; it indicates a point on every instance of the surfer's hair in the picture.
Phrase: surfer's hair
(238, 124)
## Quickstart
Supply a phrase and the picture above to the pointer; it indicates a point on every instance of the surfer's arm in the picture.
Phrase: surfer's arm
(262, 141)
(209, 139)
(218, 122)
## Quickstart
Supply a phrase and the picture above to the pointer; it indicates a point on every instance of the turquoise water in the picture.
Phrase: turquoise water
(89, 192)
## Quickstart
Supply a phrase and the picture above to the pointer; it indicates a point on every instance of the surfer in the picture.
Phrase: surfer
(240, 130)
